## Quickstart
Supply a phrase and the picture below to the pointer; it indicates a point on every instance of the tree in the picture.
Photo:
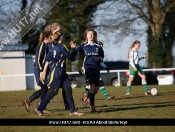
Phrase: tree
(7, 14)
(75, 17)
(126, 16)
(161, 37)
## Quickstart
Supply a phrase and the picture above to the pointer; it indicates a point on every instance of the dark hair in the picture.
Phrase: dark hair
(100, 43)
(43, 35)
(95, 35)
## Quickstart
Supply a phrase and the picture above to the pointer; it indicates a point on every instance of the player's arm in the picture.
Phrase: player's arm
(104, 66)
(67, 54)
(48, 59)
(41, 57)
(101, 55)
(43, 74)
(145, 56)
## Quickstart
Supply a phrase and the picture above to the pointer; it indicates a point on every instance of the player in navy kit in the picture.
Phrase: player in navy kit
(93, 55)
(85, 97)
(42, 50)
(56, 60)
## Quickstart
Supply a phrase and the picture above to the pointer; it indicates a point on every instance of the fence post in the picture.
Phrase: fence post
(118, 74)
(2, 77)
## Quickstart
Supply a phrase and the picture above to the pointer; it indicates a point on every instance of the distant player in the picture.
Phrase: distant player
(134, 68)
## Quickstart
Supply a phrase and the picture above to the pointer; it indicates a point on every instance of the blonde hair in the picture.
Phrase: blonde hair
(95, 35)
(52, 27)
(132, 45)
(56, 36)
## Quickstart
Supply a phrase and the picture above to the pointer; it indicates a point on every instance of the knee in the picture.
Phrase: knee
(51, 93)
(131, 79)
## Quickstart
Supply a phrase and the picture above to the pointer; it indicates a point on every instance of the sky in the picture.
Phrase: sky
(115, 52)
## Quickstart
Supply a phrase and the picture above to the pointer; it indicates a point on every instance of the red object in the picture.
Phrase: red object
(172, 72)
(127, 73)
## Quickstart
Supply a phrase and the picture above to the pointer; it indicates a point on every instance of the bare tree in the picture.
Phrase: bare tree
(7, 14)
(125, 17)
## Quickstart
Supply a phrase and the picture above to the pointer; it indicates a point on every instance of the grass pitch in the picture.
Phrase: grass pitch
(137, 106)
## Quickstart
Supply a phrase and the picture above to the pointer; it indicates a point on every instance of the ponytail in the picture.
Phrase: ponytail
(132, 45)
(43, 35)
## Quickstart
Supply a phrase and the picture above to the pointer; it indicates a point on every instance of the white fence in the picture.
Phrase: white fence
(6, 79)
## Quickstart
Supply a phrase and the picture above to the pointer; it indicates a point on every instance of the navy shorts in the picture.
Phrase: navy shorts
(92, 75)
(58, 78)
(37, 76)
(37, 72)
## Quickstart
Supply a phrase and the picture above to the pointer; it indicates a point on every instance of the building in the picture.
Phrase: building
(16, 68)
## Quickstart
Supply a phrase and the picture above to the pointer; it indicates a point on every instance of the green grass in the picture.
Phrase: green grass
(137, 106)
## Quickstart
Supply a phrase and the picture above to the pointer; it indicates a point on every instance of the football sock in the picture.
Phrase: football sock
(34, 96)
(71, 105)
(87, 89)
(66, 105)
(145, 86)
(103, 90)
(92, 98)
(128, 88)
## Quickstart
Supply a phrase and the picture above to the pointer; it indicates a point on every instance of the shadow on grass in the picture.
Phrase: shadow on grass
(139, 106)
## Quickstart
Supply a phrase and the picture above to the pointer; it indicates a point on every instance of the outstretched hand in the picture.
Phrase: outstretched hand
(72, 44)
(145, 56)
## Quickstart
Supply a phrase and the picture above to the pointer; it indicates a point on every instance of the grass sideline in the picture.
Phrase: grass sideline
(137, 106)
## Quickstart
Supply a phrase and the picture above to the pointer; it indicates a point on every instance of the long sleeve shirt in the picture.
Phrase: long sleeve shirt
(134, 57)
(57, 56)
(90, 52)
(40, 56)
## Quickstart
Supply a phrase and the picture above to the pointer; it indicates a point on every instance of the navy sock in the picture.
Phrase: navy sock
(43, 104)
(92, 99)
(34, 96)
(71, 105)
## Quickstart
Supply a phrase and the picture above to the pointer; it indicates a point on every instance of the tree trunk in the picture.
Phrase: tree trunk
(156, 51)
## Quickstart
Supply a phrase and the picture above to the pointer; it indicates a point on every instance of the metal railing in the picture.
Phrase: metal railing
(2, 75)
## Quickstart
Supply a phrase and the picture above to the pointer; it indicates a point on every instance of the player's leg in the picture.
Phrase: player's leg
(44, 90)
(50, 94)
(68, 90)
(53, 84)
(131, 78)
(93, 75)
(30, 99)
(103, 90)
(66, 105)
(85, 96)
(37, 93)
(144, 82)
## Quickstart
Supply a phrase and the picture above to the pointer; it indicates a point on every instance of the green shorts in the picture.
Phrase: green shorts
(132, 72)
